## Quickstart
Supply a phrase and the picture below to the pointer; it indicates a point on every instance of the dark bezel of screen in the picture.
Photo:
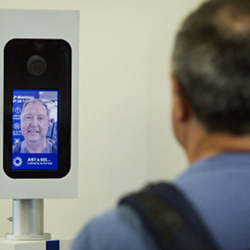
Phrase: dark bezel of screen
(57, 54)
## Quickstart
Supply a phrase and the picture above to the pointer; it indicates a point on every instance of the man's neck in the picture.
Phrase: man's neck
(200, 144)
(36, 147)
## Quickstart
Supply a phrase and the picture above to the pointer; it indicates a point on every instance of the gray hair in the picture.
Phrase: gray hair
(211, 61)
(33, 101)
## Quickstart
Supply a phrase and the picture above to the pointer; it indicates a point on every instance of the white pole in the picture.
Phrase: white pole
(28, 220)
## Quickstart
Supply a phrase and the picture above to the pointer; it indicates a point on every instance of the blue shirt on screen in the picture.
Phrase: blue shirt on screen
(20, 147)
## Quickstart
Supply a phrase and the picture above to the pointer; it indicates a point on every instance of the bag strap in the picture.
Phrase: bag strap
(54, 148)
(170, 218)
(17, 147)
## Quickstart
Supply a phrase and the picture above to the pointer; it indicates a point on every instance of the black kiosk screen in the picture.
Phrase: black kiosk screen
(35, 130)
(37, 108)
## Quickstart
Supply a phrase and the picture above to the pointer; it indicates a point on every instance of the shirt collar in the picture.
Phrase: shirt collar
(222, 161)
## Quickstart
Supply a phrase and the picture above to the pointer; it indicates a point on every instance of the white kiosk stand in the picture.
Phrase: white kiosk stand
(28, 194)
(27, 221)
(27, 229)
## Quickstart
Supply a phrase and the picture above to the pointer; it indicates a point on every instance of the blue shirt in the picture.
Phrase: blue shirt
(47, 149)
(20, 147)
(217, 186)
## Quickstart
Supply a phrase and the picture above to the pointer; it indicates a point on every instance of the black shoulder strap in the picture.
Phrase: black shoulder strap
(17, 147)
(54, 148)
(170, 218)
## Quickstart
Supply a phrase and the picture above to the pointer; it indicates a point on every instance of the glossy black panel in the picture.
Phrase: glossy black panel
(42, 64)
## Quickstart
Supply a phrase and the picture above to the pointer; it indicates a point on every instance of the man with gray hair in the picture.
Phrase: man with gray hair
(34, 126)
(211, 121)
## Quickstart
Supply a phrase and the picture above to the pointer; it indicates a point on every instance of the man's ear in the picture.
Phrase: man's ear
(181, 107)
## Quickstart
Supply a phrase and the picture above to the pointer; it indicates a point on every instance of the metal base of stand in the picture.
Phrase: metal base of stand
(27, 223)
(28, 237)
(62, 243)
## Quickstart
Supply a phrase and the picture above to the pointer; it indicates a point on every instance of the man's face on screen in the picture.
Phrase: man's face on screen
(34, 122)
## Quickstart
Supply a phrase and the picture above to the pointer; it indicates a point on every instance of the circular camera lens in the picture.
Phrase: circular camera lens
(36, 65)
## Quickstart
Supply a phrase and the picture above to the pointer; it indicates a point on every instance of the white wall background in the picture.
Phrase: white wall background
(125, 131)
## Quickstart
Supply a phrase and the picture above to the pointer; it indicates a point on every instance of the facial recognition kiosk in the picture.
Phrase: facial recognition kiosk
(39, 103)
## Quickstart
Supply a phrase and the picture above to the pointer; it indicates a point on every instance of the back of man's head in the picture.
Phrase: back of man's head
(211, 62)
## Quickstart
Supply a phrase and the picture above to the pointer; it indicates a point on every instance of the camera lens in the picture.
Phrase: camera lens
(36, 65)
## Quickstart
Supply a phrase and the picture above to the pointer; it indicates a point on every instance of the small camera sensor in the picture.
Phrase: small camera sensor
(36, 65)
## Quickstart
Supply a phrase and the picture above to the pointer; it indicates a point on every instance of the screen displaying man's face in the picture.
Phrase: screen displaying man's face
(34, 122)
(35, 129)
